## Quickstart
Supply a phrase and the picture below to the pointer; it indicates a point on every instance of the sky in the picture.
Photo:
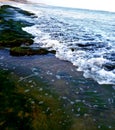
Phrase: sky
(107, 5)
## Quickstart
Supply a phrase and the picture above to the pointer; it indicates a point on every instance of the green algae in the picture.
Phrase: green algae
(13, 36)
(29, 107)
(80, 108)
(28, 103)
(94, 99)
(22, 51)
(11, 33)
(82, 123)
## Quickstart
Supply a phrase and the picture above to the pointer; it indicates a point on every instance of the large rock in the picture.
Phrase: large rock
(11, 33)
(22, 51)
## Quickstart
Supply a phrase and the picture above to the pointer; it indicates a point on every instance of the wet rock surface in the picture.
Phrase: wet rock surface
(22, 51)
(11, 33)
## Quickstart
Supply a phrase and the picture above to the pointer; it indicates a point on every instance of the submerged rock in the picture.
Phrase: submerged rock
(109, 66)
(91, 45)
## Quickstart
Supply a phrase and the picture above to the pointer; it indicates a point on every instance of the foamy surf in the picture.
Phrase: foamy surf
(83, 37)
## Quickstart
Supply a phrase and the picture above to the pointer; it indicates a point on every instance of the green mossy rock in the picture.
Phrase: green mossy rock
(10, 10)
(11, 33)
(22, 51)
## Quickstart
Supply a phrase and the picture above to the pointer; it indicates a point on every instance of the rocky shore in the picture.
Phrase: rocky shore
(39, 91)
(12, 35)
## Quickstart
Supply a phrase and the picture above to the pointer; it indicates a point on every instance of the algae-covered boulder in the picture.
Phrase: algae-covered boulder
(22, 51)
(13, 36)
(11, 33)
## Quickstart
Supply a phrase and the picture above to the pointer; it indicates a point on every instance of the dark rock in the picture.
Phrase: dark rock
(10, 11)
(91, 45)
(11, 33)
(87, 44)
(109, 66)
(22, 51)
(52, 51)
(72, 49)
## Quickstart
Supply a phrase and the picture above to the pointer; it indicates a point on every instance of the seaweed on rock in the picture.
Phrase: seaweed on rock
(11, 33)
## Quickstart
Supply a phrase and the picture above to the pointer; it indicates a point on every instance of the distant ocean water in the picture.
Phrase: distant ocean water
(86, 38)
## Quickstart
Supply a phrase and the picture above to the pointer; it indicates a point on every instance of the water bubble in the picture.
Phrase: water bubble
(32, 102)
(77, 100)
(83, 101)
(67, 83)
(27, 90)
(58, 76)
(109, 127)
(64, 97)
(36, 73)
(95, 91)
(94, 120)
(85, 115)
(14, 68)
(52, 80)
(72, 109)
(48, 109)
(46, 94)
(77, 92)
(40, 89)
(72, 102)
(49, 73)
(30, 81)
(79, 109)
(41, 102)
(99, 126)
(95, 106)
(32, 86)
(34, 69)
(77, 115)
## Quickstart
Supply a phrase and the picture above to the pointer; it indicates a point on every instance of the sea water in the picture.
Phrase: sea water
(86, 38)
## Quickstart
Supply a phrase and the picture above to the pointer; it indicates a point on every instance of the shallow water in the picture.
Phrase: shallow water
(83, 100)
